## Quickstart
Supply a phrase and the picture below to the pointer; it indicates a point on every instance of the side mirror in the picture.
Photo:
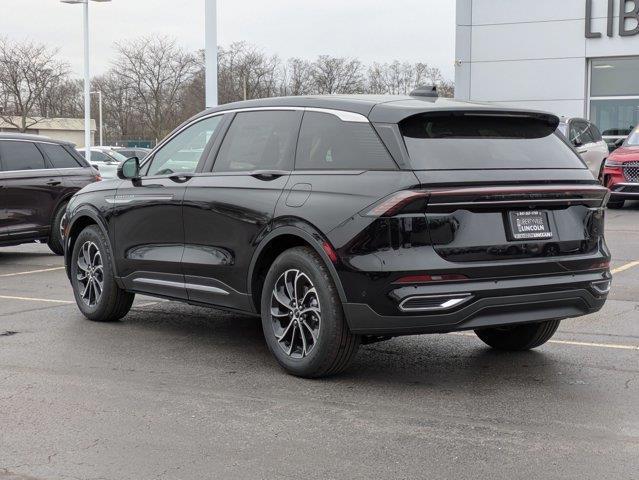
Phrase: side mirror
(129, 169)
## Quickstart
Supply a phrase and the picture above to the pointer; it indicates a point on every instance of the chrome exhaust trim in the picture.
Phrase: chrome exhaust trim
(433, 303)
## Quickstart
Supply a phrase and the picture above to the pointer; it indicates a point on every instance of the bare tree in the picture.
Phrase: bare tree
(401, 78)
(156, 69)
(297, 77)
(246, 72)
(337, 75)
(28, 71)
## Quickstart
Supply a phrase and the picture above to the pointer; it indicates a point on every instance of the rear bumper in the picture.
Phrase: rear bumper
(624, 190)
(504, 303)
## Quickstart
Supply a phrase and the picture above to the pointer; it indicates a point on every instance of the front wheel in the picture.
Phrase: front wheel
(302, 316)
(97, 294)
(518, 337)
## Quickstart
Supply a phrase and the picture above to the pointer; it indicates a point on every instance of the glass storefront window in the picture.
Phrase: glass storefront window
(615, 117)
(614, 77)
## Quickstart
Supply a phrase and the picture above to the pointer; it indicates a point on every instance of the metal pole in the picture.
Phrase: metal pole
(210, 28)
(87, 85)
(101, 124)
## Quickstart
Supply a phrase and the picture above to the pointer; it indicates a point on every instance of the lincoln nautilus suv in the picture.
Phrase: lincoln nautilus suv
(342, 221)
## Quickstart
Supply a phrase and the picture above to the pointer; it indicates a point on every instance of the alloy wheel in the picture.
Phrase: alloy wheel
(90, 274)
(296, 316)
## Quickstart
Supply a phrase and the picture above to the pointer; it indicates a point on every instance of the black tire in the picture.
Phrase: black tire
(113, 302)
(519, 337)
(334, 345)
(615, 205)
(55, 238)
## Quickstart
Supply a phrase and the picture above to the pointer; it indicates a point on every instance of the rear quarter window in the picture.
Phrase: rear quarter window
(470, 141)
(328, 143)
(58, 156)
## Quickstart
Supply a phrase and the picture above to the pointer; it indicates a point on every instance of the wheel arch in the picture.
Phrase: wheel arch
(83, 218)
(278, 241)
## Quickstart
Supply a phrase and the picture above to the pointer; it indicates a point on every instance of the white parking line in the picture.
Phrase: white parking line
(613, 346)
(625, 267)
(4, 275)
(28, 299)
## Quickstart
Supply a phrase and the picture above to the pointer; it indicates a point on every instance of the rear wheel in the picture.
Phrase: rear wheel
(55, 238)
(97, 294)
(519, 337)
(302, 316)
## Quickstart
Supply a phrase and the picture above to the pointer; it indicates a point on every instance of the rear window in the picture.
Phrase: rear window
(58, 156)
(463, 141)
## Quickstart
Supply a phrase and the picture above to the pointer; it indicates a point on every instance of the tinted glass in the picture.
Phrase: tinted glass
(259, 141)
(615, 77)
(580, 133)
(20, 156)
(596, 134)
(475, 141)
(98, 157)
(328, 143)
(58, 156)
(182, 153)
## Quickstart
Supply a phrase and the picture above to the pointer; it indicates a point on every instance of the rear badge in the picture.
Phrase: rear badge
(529, 225)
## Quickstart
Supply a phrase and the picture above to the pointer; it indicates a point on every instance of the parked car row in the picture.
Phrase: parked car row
(342, 221)
(107, 159)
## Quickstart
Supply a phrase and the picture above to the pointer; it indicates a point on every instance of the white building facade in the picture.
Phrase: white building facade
(570, 57)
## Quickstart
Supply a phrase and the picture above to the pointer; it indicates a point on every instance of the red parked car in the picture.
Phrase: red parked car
(621, 172)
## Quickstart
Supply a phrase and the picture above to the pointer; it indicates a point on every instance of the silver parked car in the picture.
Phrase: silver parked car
(105, 159)
(587, 139)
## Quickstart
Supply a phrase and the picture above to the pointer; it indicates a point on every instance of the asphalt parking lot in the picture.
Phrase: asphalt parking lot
(178, 392)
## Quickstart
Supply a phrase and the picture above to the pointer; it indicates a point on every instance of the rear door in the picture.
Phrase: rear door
(31, 190)
(229, 207)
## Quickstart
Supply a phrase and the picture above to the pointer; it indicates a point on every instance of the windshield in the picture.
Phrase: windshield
(467, 140)
(633, 139)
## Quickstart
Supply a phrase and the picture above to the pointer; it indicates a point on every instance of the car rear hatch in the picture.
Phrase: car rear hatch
(503, 186)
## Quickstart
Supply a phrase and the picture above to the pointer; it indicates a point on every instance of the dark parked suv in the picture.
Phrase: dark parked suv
(343, 221)
(38, 176)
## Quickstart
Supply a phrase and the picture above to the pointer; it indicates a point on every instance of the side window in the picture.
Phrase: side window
(328, 143)
(99, 156)
(20, 156)
(580, 133)
(182, 153)
(596, 134)
(58, 156)
(259, 141)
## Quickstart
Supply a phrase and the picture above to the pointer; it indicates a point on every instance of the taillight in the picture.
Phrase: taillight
(396, 202)
(97, 177)
(413, 279)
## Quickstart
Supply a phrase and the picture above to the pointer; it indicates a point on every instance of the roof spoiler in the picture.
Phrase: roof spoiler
(426, 91)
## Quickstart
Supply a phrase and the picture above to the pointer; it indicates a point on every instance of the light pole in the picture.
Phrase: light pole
(87, 75)
(99, 94)
(210, 34)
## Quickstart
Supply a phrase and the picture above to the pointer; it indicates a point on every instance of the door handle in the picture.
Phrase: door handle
(268, 175)
(53, 183)
(585, 150)
(181, 177)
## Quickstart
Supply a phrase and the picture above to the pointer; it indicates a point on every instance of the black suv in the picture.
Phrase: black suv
(351, 220)
(38, 176)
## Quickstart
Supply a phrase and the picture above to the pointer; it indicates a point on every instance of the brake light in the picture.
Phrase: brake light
(391, 205)
(97, 177)
(412, 279)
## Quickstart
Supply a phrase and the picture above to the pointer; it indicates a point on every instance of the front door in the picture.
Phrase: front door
(147, 214)
(227, 210)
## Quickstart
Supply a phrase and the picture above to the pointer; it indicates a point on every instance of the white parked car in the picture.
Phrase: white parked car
(587, 139)
(105, 159)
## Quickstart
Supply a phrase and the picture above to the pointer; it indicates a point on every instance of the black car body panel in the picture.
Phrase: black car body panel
(395, 238)
(34, 185)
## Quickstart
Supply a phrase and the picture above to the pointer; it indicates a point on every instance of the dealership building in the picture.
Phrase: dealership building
(571, 57)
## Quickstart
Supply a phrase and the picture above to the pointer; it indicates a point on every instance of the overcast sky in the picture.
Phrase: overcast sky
(372, 30)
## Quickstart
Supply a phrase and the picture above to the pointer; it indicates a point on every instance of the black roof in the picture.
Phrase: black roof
(33, 138)
(378, 108)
